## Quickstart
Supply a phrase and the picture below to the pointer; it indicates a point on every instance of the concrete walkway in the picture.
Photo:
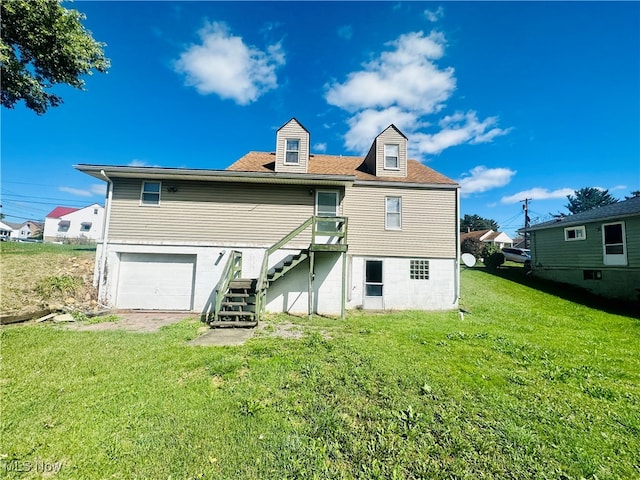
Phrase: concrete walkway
(221, 337)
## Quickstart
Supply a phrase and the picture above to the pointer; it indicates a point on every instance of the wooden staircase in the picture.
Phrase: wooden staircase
(240, 301)
(237, 308)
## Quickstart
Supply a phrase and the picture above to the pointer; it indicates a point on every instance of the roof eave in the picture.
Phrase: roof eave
(571, 223)
(382, 183)
(160, 173)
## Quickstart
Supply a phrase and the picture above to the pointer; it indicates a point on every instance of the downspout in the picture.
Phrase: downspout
(102, 279)
(457, 263)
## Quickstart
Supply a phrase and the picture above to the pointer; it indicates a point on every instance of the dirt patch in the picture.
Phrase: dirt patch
(32, 283)
(140, 322)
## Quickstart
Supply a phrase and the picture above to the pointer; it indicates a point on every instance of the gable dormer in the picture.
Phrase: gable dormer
(387, 156)
(292, 148)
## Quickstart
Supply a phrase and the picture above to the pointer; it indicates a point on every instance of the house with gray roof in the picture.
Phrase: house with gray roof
(598, 250)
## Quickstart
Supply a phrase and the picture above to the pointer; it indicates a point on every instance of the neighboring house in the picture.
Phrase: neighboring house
(498, 239)
(598, 250)
(5, 231)
(305, 233)
(65, 223)
(28, 229)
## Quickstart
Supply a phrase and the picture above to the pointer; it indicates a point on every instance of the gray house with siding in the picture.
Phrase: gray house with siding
(282, 231)
(598, 250)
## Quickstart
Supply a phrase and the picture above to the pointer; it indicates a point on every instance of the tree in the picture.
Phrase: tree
(634, 194)
(43, 44)
(472, 246)
(588, 198)
(471, 223)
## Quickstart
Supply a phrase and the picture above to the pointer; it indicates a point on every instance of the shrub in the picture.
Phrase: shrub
(472, 246)
(492, 256)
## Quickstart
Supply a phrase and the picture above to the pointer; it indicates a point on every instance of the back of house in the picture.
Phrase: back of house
(293, 231)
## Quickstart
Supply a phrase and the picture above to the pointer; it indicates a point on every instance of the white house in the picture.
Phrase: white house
(499, 239)
(64, 223)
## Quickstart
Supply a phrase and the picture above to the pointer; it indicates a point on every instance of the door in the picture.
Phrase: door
(151, 281)
(373, 285)
(327, 205)
(614, 244)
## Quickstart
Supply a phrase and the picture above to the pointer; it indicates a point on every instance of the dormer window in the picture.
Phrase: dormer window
(292, 152)
(391, 154)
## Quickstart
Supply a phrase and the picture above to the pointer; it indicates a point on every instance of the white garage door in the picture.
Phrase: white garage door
(156, 281)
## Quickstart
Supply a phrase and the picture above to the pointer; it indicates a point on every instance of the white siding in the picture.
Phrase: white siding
(292, 130)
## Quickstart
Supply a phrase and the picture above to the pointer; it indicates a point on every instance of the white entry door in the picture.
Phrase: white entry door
(150, 281)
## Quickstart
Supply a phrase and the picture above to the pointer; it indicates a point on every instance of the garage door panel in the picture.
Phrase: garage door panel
(156, 281)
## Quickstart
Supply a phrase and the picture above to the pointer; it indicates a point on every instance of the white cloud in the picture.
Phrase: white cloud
(404, 86)
(480, 179)
(76, 191)
(537, 194)
(93, 190)
(137, 163)
(405, 76)
(224, 65)
(98, 188)
(455, 130)
(320, 147)
(434, 15)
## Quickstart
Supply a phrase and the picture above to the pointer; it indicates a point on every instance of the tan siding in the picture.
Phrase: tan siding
(428, 222)
(210, 212)
(391, 136)
(292, 130)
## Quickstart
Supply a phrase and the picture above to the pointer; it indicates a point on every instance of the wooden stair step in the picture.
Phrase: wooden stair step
(236, 313)
(234, 324)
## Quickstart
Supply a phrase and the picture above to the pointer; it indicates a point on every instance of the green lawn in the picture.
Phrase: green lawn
(526, 386)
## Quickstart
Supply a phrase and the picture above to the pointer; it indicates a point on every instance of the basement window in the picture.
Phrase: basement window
(592, 274)
(419, 269)
(572, 234)
(150, 193)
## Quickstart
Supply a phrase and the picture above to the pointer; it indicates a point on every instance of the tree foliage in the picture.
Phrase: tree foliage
(472, 246)
(43, 44)
(587, 198)
(472, 223)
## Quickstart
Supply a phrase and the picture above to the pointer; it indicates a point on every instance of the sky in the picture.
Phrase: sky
(514, 100)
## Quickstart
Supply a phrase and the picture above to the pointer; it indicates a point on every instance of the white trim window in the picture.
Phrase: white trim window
(391, 156)
(614, 243)
(292, 151)
(571, 234)
(150, 193)
(393, 213)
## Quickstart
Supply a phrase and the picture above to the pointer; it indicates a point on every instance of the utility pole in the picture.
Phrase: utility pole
(527, 221)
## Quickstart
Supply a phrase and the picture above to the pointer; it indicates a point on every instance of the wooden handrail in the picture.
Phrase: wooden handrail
(231, 271)
(340, 232)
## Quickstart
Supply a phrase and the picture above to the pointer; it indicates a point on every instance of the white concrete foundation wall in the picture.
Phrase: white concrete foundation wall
(402, 293)
(291, 293)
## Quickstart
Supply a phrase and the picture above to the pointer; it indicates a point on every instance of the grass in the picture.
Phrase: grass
(527, 386)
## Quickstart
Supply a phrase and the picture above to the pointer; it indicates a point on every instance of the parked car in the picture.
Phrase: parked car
(519, 255)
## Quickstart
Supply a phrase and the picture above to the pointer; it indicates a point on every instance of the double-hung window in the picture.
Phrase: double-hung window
(150, 193)
(393, 213)
(575, 233)
(292, 151)
(391, 154)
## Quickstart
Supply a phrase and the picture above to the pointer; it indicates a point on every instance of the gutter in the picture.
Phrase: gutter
(102, 278)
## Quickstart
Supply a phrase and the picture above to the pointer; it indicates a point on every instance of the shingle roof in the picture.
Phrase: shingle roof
(341, 165)
(475, 234)
(61, 211)
(620, 209)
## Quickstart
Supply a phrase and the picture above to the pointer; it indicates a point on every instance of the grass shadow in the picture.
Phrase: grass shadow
(566, 291)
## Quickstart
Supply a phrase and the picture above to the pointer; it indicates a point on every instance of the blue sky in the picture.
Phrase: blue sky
(514, 100)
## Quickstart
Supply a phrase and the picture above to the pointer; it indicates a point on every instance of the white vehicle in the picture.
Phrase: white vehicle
(519, 255)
